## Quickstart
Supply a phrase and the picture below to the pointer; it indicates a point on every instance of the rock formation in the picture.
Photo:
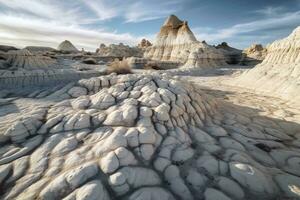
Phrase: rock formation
(6, 48)
(25, 60)
(22, 68)
(279, 73)
(144, 44)
(118, 51)
(39, 49)
(68, 47)
(253, 55)
(140, 137)
(176, 42)
(233, 55)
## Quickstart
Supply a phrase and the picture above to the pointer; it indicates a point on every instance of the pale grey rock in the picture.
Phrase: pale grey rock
(124, 117)
(162, 112)
(251, 178)
(77, 91)
(109, 163)
(230, 187)
(289, 184)
(135, 177)
(177, 184)
(151, 193)
(4, 171)
(213, 194)
(93, 190)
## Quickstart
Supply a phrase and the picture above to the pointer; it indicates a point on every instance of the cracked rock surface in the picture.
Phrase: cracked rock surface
(142, 137)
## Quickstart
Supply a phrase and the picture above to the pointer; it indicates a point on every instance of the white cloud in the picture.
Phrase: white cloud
(31, 31)
(270, 11)
(101, 9)
(133, 10)
(249, 31)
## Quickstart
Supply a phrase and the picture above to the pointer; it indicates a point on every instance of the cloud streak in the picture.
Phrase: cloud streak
(31, 31)
(255, 31)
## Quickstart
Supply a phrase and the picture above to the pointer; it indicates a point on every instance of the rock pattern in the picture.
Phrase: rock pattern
(233, 55)
(22, 79)
(67, 46)
(279, 73)
(143, 137)
(25, 60)
(253, 55)
(176, 42)
(119, 51)
(144, 44)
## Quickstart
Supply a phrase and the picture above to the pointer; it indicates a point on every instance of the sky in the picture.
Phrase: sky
(88, 23)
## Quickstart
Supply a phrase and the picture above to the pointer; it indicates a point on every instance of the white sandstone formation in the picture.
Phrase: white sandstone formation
(175, 42)
(67, 46)
(119, 51)
(25, 60)
(253, 55)
(140, 137)
(279, 73)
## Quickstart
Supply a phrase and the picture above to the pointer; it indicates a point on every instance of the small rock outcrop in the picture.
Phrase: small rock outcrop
(25, 60)
(253, 55)
(6, 48)
(144, 44)
(233, 55)
(67, 46)
(39, 49)
(175, 42)
(279, 73)
(118, 51)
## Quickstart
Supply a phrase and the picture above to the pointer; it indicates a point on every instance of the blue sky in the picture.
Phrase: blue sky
(87, 23)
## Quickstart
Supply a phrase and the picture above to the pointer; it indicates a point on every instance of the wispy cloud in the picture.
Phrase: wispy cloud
(133, 11)
(261, 30)
(270, 11)
(32, 31)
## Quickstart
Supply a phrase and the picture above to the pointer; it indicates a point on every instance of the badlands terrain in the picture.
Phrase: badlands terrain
(190, 120)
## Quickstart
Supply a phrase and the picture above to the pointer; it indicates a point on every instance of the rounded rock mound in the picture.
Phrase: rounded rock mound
(131, 137)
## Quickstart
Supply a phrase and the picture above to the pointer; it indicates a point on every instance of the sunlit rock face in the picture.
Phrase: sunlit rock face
(118, 51)
(67, 46)
(279, 73)
(140, 137)
(176, 42)
(253, 55)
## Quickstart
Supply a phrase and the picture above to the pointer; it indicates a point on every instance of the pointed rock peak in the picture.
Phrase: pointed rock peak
(173, 21)
(67, 46)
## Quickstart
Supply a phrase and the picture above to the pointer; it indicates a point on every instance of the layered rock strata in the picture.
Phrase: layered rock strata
(253, 55)
(25, 60)
(141, 137)
(118, 51)
(67, 46)
(279, 73)
(175, 42)
(232, 55)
